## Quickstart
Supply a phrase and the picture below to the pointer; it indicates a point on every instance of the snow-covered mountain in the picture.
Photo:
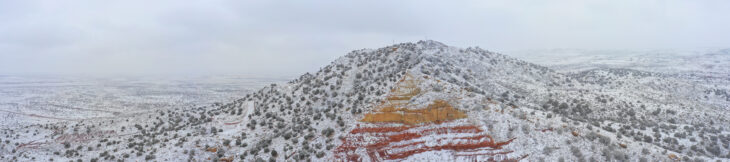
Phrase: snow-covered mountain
(704, 62)
(422, 101)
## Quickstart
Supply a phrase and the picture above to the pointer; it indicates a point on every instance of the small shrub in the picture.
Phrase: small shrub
(274, 153)
(645, 151)
(328, 132)
(603, 139)
(576, 151)
(149, 157)
(648, 139)
(221, 152)
(548, 150)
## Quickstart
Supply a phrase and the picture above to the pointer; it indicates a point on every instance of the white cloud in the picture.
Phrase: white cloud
(255, 37)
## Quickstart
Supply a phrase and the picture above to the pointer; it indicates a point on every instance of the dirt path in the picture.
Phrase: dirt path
(85, 109)
(38, 116)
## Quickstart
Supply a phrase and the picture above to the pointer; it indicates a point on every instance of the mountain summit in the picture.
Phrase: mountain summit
(427, 101)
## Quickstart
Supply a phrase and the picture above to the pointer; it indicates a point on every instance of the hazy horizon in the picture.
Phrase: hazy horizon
(139, 38)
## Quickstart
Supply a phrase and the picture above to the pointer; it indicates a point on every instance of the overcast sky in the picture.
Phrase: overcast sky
(200, 37)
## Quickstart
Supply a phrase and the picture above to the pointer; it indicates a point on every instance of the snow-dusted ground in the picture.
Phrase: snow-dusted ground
(708, 61)
(47, 99)
(566, 111)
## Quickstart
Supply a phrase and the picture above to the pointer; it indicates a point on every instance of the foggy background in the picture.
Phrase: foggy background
(287, 38)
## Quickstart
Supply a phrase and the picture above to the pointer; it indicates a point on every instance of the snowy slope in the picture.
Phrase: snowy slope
(422, 101)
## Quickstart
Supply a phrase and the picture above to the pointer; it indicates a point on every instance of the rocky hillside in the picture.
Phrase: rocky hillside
(415, 102)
